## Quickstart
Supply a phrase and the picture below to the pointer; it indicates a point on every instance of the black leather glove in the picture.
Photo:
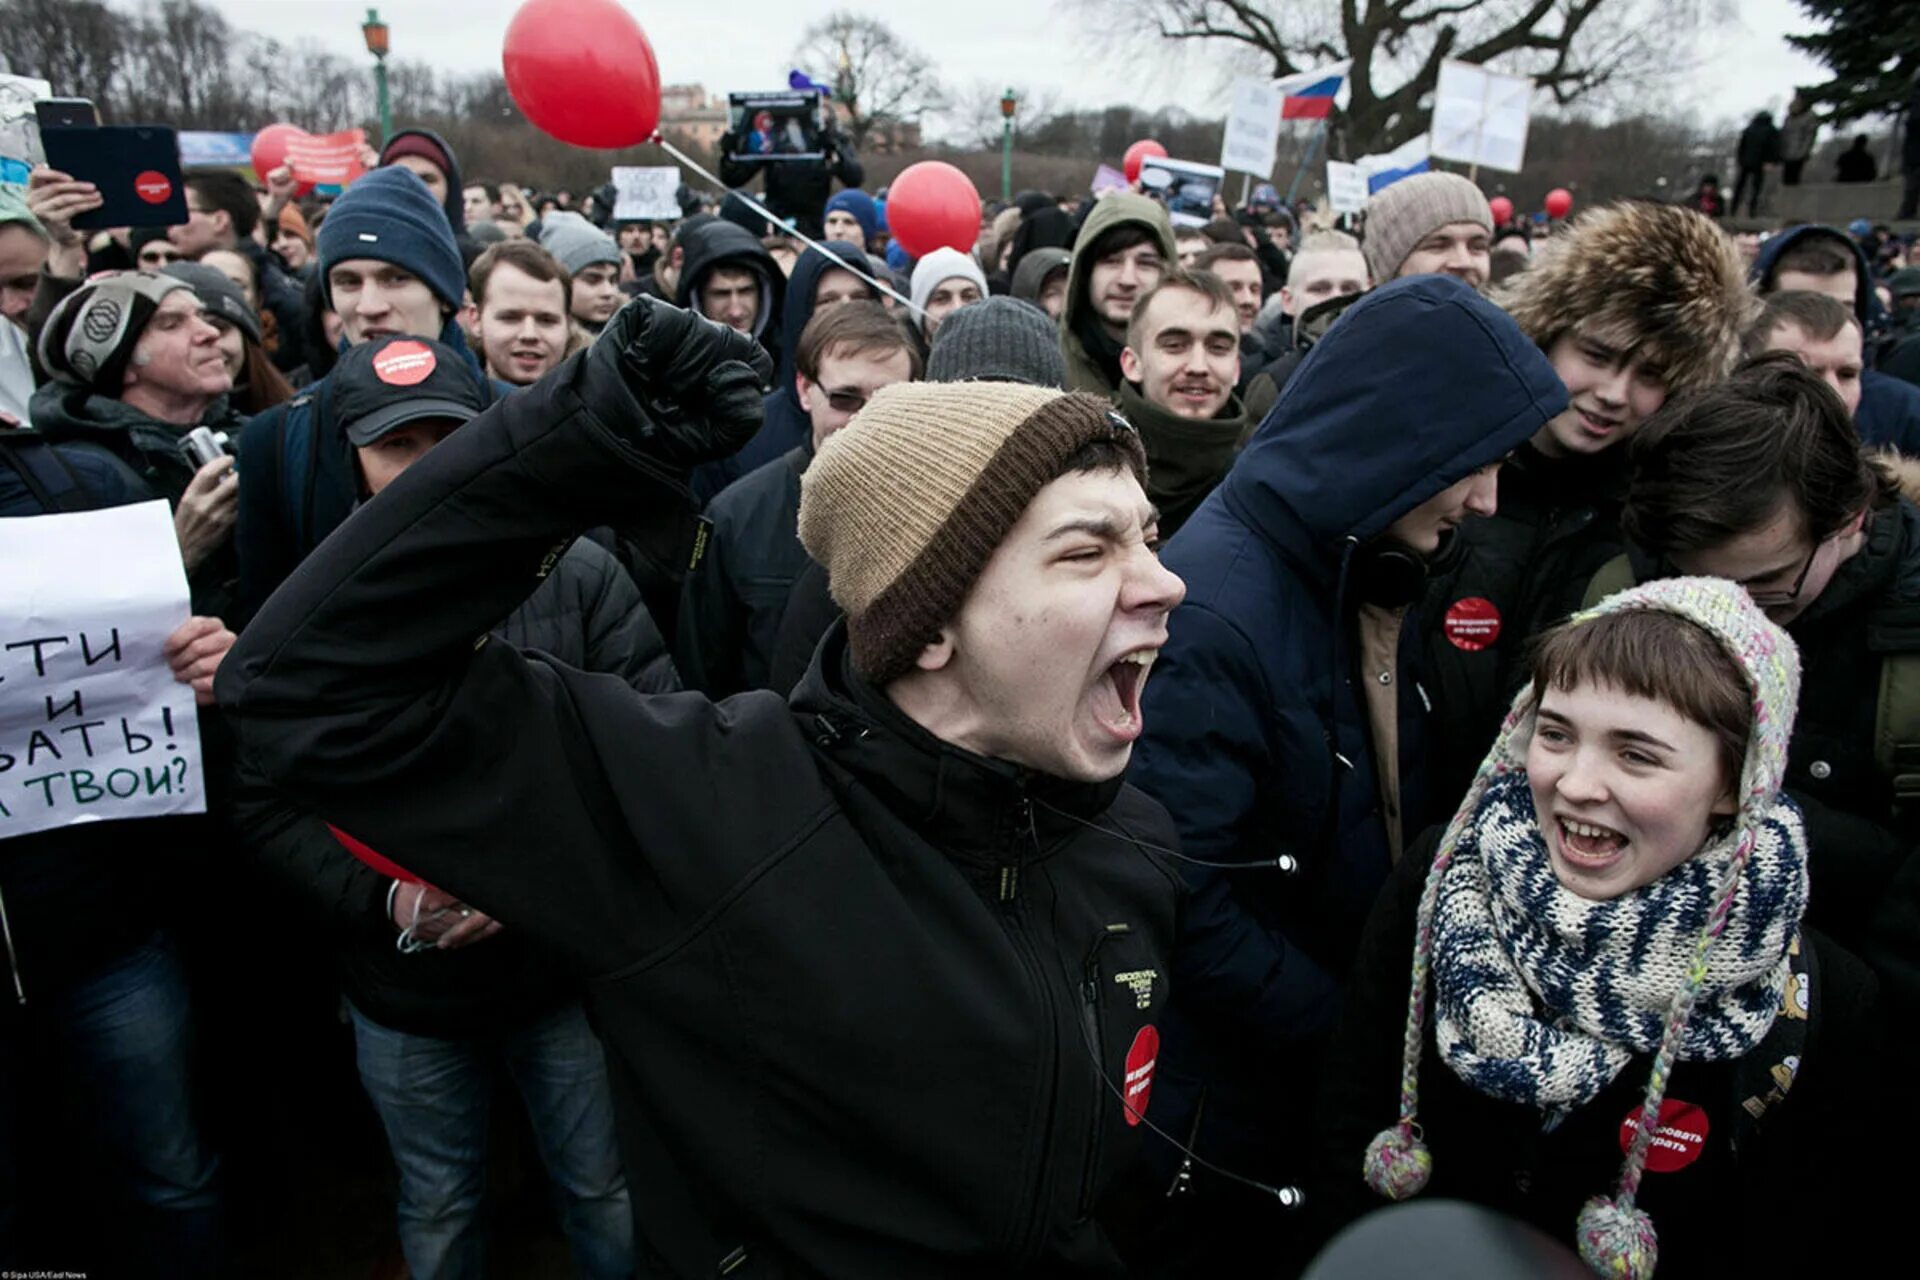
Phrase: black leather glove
(700, 383)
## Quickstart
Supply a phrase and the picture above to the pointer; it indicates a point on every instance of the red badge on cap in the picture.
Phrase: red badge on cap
(153, 187)
(1138, 1086)
(1679, 1140)
(1473, 623)
(404, 364)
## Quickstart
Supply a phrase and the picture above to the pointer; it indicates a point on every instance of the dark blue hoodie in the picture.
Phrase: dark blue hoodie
(786, 424)
(1257, 738)
(1889, 412)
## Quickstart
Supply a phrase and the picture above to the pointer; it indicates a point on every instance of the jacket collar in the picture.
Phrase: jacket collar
(987, 815)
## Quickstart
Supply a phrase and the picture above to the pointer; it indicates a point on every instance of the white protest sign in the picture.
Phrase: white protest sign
(93, 726)
(646, 192)
(1480, 117)
(1253, 128)
(1346, 187)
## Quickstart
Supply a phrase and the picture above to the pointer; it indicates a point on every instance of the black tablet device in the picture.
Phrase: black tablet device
(775, 126)
(136, 167)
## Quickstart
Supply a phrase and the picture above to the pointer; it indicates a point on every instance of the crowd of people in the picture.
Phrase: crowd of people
(1121, 748)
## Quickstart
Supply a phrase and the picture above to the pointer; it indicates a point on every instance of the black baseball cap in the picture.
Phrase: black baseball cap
(389, 382)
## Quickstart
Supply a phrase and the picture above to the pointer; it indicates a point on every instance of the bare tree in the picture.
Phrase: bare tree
(1570, 47)
(74, 45)
(878, 78)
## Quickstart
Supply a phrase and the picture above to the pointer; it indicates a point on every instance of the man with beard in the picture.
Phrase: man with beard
(1124, 246)
(519, 311)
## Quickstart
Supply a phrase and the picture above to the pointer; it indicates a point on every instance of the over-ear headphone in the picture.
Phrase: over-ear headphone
(1388, 574)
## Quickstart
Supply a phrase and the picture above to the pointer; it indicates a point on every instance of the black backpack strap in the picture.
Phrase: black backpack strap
(44, 472)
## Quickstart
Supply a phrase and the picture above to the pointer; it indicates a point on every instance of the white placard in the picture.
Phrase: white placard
(19, 127)
(1346, 187)
(93, 726)
(1480, 117)
(1253, 128)
(644, 193)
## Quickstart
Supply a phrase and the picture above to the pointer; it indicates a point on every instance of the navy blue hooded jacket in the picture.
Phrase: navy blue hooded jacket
(1889, 412)
(786, 426)
(1257, 738)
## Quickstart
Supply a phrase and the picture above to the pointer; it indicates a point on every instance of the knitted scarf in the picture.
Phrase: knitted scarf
(1542, 997)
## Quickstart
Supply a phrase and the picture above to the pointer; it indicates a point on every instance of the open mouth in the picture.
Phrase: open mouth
(1598, 427)
(1117, 694)
(1590, 845)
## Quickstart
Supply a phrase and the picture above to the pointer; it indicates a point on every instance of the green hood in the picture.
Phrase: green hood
(1083, 373)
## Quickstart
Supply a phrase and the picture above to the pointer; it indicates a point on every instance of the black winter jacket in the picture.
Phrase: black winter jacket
(587, 614)
(797, 190)
(1509, 577)
(867, 998)
(1796, 1191)
(733, 600)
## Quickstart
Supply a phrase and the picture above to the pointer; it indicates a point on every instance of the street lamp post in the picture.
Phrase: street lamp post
(1008, 104)
(376, 33)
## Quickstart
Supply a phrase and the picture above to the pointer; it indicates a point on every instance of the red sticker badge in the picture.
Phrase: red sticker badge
(1473, 623)
(403, 364)
(1679, 1140)
(1138, 1086)
(153, 187)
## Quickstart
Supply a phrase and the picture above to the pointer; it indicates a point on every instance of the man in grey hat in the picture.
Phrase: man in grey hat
(593, 260)
(1429, 224)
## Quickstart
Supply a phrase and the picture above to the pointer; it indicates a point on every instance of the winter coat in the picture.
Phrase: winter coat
(1724, 1214)
(73, 417)
(586, 614)
(1856, 164)
(1079, 324)
(785, 425)
(1508, 578)
(1759, 143)
(810, 613)
(1257, 737)
(733, 600)
(792, 918)
(1797, 134)
(284, 297)
(1857, 834)
(797, 190)
(1185, 459)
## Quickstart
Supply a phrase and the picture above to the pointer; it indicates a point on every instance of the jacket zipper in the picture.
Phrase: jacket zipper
(13, 958)
(1096, 1048)
(1026, 1238)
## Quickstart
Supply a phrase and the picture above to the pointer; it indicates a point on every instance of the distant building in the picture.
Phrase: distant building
(692, 117)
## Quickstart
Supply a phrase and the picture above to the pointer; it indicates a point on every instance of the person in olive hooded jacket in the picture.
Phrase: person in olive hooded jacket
(1124, 245)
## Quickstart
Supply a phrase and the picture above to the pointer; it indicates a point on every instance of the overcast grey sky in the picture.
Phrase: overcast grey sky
(1035, 44)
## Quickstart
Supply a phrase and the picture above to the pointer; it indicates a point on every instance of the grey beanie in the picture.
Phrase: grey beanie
(998, 340)
(1400, 216)
(576, 242)
(88, 339)
(220, 296)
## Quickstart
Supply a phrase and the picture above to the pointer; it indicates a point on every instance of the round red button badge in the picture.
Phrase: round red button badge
(152, 186)
(1677, 1142)
(1473, 623)
(1138, 1086)
(404, 364)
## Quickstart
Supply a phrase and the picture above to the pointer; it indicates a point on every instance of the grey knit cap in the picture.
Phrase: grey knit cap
(89, 338)
(576, 242)
(220, 296)
(998, 340)
(1400, 216)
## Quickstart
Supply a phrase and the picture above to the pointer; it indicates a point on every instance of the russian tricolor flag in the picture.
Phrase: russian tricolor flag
(1405, 160)
(1310, 94)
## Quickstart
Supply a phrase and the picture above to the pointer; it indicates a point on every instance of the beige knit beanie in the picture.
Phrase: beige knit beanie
(905, 505)
(1400, 216)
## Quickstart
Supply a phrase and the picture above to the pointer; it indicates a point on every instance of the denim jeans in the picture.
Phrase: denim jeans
(119, 1046)
(434, 1097)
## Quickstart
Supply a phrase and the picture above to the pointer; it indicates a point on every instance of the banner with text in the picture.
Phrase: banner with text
(1253, 128)
(93, 726)
(328, 160)
(646, 193)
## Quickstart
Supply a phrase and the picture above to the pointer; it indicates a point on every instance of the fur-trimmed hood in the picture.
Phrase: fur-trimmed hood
(1905, 470)
(1647, 276)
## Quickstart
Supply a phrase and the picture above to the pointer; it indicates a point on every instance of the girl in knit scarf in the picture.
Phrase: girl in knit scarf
(1623, 884)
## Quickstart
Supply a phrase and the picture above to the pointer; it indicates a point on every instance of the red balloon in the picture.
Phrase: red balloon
(1137, 153)
(1502, 210)
(391, 870)
(269, 150)
(1559, 202)
(933, 205)
(583, 72)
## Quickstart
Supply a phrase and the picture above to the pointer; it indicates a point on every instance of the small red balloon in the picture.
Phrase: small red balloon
(1502, 210)
(1137, 154)
(269, 150)
(1559, 202)
(583, 72)
(933, 205)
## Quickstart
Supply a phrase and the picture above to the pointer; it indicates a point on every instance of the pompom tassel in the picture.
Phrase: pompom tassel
(1617, 1242)
(1398, 1163)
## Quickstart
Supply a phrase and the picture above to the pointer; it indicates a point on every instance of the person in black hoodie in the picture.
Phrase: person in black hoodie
(1633, 303)
(792, 916)
(1759, 148)
(444, 1000)
(797, 190)
(427, 154)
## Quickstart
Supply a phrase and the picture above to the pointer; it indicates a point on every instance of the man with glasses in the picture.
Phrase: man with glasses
(1762, 480)
(733, 600)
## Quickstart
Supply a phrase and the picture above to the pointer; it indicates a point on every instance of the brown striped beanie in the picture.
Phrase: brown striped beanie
(905, 505)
